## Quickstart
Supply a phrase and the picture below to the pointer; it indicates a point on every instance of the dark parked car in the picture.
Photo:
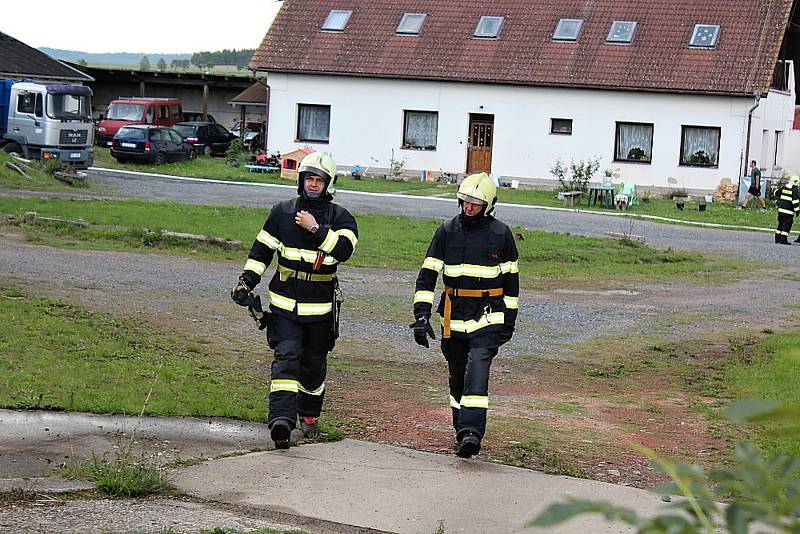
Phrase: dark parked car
(207, 137)
(155, 144)
(197, 116)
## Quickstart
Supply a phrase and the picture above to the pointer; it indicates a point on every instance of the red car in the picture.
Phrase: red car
(130, 111)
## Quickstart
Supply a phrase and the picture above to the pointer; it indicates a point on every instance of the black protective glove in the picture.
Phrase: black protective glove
(260, 316)
(241, 292)
(422, 329)
(505, 334)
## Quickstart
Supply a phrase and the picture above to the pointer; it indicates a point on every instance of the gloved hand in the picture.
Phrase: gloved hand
(505, 334)
(422, 329)
(241, 292)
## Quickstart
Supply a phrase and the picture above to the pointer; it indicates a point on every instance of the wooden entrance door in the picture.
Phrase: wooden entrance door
(481, 136)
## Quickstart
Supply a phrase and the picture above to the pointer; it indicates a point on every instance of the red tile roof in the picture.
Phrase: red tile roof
(659, 59)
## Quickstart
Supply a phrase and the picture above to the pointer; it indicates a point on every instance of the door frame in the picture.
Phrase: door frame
(480, 119)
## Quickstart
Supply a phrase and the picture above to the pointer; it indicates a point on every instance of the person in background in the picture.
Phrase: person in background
(788, 209)
(755, 187)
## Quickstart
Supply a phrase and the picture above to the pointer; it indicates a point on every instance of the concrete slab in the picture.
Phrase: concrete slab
(400, 490)
(44, 485)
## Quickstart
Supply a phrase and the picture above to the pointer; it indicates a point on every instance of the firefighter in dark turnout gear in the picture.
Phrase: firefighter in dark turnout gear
(311, 236)
(788, 209)
(477, 257)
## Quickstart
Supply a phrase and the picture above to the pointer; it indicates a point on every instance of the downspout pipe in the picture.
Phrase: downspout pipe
(263, 81)
(746, 162)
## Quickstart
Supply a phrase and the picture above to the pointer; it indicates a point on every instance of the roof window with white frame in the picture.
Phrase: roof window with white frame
(568, 30)
(337, 20)
(704, 36)
(488, 27)
(622, 31)
(411, 23)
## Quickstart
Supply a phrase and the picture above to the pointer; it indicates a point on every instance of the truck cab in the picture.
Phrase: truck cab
(145, 110)
(47, 121)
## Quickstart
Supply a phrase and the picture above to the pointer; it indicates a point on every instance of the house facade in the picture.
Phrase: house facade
(666, 96)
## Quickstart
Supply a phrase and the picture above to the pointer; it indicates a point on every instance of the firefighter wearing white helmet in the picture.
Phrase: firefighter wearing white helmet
(311, 236)
(788, 209)
(477, 257)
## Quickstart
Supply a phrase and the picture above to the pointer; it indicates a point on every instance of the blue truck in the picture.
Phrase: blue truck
(49, 122)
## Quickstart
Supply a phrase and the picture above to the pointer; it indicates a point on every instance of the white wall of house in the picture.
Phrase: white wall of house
(366, 124)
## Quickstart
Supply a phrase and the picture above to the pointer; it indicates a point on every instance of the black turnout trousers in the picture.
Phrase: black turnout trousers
(468, 362)
(299, 367)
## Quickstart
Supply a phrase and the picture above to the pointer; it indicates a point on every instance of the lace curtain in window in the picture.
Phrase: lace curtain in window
(314, 123)
(700, 146)
(420, 129)
(634, 142)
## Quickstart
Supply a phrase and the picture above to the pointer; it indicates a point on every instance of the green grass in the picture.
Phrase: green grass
(124, 477)
(385, 241)
(60, 356)
(215, 168)
(768, 370)
(38, 179)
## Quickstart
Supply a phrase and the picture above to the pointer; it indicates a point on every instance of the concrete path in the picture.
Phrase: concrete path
(400, 490)
(348, 486)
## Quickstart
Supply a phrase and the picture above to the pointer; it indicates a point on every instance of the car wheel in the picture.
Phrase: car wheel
(192, 154)
(206, 150)
(13, 148)
(160, 158)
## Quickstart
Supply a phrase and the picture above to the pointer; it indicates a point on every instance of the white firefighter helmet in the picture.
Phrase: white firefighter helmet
(479, 189)
(794, 181)
(321, 164)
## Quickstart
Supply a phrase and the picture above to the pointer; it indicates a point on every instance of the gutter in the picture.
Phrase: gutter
(743, 165)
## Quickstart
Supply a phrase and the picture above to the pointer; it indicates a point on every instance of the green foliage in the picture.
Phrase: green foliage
(577, 176)
(144, 63)
(122, 477)
(240, 58)
(161, 65)
(757, 488)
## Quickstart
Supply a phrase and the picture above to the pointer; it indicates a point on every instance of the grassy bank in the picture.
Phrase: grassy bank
(385, 242)
(56, 355)
(660, 207)
(37, 179)
(770, 369)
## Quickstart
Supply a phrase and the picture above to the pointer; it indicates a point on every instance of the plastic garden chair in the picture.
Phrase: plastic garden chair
(626, 196)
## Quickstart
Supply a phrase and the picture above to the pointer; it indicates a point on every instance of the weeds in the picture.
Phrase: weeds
(122, 477)
(17, 495)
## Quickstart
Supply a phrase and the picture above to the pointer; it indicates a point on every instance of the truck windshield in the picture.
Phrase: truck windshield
(65, 106)
(121, 111)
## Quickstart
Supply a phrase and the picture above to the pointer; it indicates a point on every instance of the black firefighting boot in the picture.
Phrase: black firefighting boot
(310, 427)
(469, 444)
(280, 433)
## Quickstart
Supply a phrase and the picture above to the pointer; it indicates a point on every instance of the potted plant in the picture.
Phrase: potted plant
(636, 153)
(700, 158)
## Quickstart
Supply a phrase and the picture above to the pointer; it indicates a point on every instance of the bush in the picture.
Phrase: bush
(580, 173)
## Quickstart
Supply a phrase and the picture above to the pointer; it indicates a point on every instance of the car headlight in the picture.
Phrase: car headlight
(101, 129)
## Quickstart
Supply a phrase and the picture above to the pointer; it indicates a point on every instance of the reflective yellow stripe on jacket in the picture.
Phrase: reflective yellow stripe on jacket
(303, 308)
(472, 325)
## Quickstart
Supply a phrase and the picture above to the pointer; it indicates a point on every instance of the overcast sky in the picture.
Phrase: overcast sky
(143, 26)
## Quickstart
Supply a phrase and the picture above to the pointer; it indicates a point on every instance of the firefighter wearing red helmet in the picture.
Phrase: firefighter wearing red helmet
(477, 257)
(311, 236)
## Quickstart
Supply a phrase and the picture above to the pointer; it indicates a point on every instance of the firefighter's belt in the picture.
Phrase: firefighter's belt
(455, 292)
(285, 273)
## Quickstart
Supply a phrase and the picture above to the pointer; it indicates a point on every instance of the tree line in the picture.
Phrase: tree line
(239, 58)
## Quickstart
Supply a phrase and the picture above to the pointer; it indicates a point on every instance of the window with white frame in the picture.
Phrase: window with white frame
(700, 146)
(420, 129)
(634, 142)
(411, 23)
(704, 36)
(313, 123)
(568, 30)
(489, 27)
(337, 20)
(561, 126)
(621, 32)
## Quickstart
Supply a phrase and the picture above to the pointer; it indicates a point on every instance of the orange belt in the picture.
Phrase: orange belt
(455, 292)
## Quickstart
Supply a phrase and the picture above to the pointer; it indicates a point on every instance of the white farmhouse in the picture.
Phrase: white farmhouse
(687, 90)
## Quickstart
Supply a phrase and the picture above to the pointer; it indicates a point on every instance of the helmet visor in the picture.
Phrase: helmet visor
(471, 199)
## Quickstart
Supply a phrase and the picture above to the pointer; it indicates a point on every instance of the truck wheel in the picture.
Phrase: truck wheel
(12, 148)
(160, 159)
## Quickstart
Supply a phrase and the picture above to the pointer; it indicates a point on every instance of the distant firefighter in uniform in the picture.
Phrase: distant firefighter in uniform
(788, 209)
(477, 257)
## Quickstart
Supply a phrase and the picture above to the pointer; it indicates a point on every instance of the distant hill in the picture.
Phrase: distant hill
(116, 58)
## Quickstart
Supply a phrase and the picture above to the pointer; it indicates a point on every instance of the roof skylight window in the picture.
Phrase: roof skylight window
(704, 36)
(337, 20)
(411, 23)
(621, 31)
(568, 29)
(489, 27)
